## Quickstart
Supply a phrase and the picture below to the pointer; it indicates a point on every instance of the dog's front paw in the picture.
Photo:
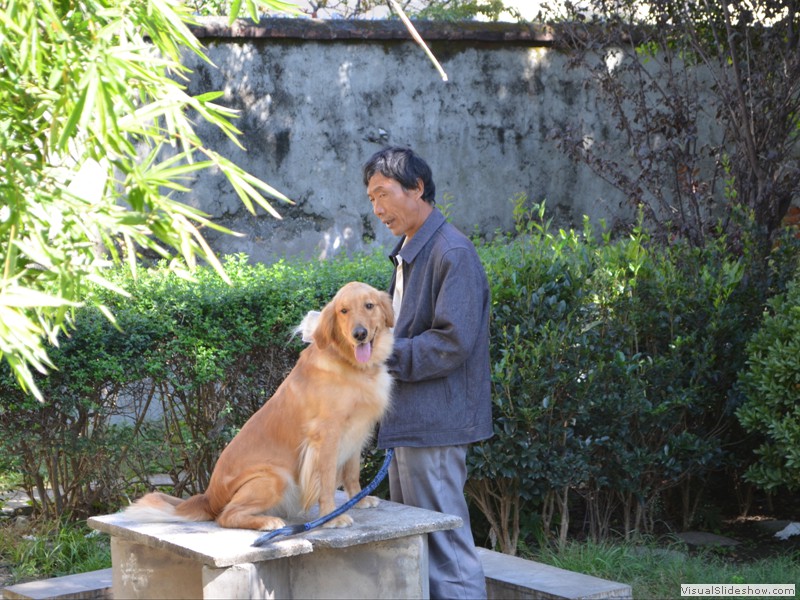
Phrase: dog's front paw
(271, 524)
(340, 521)
(368, 502)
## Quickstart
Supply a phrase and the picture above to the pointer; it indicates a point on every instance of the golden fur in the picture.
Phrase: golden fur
(307, 439)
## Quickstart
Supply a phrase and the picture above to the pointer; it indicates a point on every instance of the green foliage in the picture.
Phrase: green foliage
(613, 362)
(52, 549)
(771, 385)
(201, 355)
(10, 477)
(253, 9)
(462, 10)
(96, 130)
(442, 10)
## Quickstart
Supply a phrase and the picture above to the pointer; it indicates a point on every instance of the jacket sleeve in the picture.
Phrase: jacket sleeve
(447, 323)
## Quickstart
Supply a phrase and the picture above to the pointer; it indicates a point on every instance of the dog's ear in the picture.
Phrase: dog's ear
(323, 334)
(385, 302)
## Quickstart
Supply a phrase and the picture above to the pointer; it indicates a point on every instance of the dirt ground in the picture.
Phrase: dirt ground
(756, 531)
(756, 537)
(748, 538)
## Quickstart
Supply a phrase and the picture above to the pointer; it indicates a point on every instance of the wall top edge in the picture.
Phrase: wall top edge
(341, 29)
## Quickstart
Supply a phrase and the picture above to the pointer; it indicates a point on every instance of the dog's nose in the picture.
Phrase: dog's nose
(360, 333)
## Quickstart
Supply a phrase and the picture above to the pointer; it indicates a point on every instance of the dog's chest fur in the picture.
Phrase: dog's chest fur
(368, 410)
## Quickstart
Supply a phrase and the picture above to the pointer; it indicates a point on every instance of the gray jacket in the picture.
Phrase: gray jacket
(442, 392)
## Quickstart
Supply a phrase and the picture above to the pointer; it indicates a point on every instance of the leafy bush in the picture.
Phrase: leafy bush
(771, 385)
(613, 362)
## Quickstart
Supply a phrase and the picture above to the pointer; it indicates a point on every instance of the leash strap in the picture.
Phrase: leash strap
(263, 540)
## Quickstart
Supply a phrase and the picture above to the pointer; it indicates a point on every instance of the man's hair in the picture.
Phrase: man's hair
(405, 167)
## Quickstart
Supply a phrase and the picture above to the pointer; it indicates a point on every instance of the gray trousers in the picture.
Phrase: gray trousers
(434, 478)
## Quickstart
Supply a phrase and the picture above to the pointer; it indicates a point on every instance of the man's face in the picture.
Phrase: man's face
(402, 211)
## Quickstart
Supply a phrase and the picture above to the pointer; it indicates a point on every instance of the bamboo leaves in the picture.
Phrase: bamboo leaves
(96, 133)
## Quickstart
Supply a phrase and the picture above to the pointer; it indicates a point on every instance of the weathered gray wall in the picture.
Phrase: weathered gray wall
(318, 98)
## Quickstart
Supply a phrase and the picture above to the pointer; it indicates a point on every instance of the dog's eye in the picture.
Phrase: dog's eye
(369, 305)
(343, 311)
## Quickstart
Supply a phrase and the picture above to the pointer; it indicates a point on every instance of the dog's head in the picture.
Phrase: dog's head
(358, 323)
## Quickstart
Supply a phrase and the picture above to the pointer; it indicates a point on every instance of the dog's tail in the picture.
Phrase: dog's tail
(158, 508)
(308, 326)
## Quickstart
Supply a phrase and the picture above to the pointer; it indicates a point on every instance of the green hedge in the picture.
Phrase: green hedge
(614, 368)
(614, 364)
(771, 386)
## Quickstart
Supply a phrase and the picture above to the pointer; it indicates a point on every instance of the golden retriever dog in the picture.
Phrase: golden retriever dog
(306, 441)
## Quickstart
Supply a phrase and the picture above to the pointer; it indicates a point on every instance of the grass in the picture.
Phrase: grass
(40, 549)
(658, 572)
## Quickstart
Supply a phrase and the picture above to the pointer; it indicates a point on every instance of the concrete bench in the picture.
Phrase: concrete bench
(513, 578)
(353, 573)
(383, 555)
(94, 585)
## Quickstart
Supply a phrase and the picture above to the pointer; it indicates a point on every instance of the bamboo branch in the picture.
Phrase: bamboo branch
(417, 37)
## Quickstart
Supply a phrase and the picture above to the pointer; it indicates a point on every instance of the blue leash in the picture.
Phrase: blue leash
(302, 527)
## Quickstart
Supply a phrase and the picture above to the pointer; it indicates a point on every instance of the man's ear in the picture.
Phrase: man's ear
(420, 187)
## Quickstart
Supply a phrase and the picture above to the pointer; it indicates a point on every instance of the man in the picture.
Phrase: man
(442, 398)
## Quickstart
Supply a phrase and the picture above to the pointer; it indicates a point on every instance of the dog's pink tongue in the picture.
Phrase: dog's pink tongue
(363, 352)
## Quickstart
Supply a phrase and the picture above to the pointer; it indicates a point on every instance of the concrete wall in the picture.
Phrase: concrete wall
(318, 98)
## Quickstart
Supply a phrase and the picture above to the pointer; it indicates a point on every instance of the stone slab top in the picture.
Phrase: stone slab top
(216, 546)
(546, 581)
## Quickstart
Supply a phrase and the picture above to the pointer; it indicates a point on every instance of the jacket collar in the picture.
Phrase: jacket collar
(434, 221)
